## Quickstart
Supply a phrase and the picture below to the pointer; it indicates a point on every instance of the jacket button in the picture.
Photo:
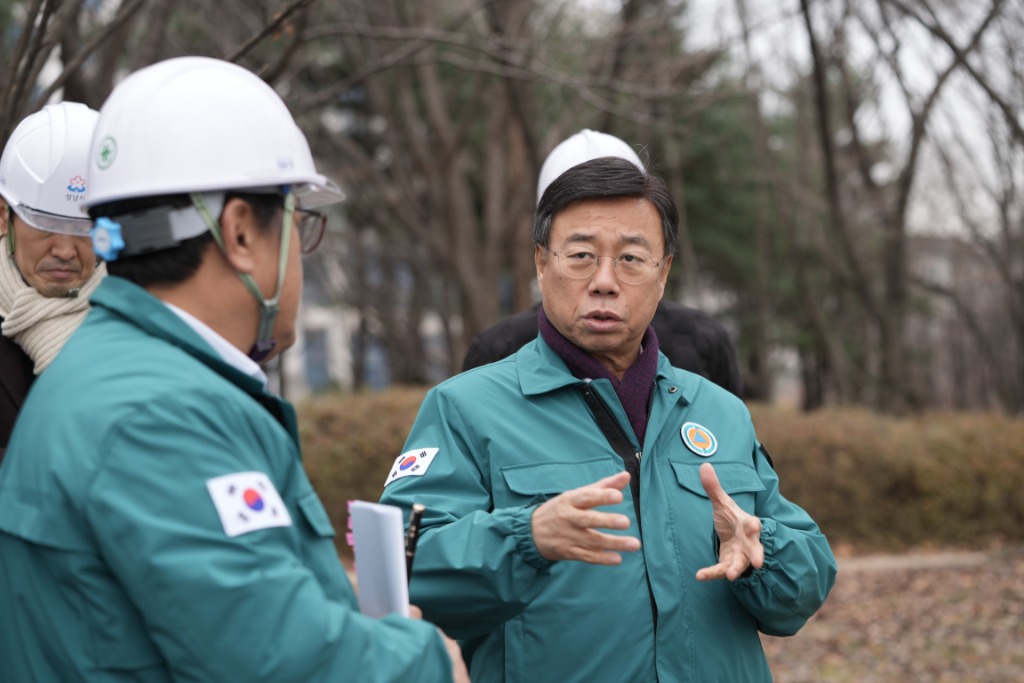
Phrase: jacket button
(672, 390)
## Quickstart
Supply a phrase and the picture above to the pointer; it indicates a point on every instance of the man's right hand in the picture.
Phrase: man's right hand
(565, 527)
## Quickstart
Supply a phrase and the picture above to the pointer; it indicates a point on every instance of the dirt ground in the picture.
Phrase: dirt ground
(929, 617)
(936, 617)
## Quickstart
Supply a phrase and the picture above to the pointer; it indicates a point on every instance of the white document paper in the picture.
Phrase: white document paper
(379, 542)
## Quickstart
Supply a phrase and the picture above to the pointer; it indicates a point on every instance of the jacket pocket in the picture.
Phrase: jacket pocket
(315, 515)
(738, 480)
(318, 552)
(536, 482)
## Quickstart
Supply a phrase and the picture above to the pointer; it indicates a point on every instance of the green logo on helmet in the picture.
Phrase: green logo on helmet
(108, 152)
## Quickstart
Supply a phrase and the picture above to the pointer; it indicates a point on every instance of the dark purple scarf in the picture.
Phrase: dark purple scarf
(633, 390)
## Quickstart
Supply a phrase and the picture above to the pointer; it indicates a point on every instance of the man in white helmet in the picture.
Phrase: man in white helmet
(47, 266)
(691, 339)
(156, 522)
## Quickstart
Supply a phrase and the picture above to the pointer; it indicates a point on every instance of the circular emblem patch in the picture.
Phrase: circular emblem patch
(699, 439)
(107, 153)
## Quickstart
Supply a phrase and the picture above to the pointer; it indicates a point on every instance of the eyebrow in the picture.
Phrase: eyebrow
(637, 240)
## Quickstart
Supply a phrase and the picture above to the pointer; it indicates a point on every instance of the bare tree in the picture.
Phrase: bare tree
(882, 297)
(60, 27)
(457, 105)
(436, 116)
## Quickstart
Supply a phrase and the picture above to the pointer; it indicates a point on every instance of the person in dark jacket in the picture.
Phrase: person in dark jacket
(691, 339)
(47, 267)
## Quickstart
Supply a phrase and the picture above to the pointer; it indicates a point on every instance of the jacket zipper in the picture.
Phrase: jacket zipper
(633, 467)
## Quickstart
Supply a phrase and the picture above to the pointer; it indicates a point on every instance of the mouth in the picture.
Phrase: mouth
(602, 322)
(62, 274)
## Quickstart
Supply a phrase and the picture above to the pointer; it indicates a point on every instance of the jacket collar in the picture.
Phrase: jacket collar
(541, 370)
(133, 303)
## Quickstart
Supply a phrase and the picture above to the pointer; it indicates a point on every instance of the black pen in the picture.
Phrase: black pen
(411, 536)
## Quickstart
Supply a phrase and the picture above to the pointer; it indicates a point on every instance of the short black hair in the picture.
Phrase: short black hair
(178, 263)
(607, 178)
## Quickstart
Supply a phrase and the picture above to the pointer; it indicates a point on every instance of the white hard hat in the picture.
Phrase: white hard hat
(43, 168)
(583, 146)
(196, 124)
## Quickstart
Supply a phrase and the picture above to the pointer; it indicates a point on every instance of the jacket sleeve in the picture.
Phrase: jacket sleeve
(475, 567)
(799, 569)
(268, 605)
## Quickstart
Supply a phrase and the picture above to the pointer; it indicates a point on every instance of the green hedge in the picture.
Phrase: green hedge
(871, 482)
(876, 482)
(349, 442)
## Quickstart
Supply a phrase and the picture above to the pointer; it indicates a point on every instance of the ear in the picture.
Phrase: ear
(665, 269)
(238, 228)
(663, 276)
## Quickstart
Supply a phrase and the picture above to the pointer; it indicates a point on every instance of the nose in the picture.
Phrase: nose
(604, 278)
(63, 247)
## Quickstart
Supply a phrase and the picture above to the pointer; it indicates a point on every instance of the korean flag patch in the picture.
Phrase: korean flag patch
(247, 501)
(411, 464)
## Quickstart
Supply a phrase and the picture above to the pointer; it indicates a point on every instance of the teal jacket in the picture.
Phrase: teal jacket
(511, 435)
(114, 562)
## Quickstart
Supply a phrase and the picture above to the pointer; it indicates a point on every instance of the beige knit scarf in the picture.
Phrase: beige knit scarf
(38, 324)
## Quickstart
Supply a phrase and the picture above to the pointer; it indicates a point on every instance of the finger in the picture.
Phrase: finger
(602, 558)
(735, 567)
(712, 573)
(594, 546)
(593, 496)
(757, 556)
(599, 541)
(592, 539)
(604, 549)
(729, 570)
(607, 491)
(619, 480)
(709, 480)
(603, 520)
(753, 549)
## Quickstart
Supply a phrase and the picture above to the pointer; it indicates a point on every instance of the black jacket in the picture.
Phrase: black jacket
(691, 339)
(16, 377)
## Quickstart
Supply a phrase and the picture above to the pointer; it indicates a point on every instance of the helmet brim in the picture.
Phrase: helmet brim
(316, 194)
(49, 222)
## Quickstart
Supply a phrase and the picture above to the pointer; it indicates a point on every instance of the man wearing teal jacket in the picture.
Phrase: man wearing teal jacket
(156, 523)
(697, 551)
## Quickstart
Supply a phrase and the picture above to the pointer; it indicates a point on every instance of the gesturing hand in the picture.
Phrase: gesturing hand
(565, 527)
(738, 531)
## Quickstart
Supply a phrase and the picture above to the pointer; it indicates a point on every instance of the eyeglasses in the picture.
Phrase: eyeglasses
(311, 229)
(630, 268)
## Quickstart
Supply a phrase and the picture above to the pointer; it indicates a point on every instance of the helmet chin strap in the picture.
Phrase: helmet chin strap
(269, 308)
(10, 231)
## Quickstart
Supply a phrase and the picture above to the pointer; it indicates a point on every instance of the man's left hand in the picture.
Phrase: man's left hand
(738, 531)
